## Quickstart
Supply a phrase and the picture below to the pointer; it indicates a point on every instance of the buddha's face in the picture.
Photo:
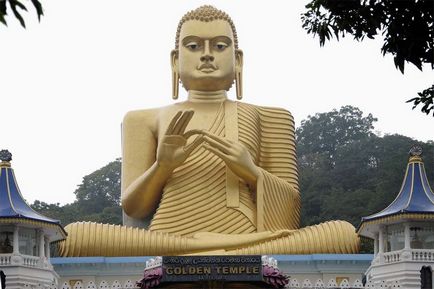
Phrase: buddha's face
(206, 58)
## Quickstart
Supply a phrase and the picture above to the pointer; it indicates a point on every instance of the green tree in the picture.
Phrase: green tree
(97, 199)
(407, 28)
(319, 136)
(100, 189)
(17, 7)
(323, 142)
(65, 214)
(350, 174)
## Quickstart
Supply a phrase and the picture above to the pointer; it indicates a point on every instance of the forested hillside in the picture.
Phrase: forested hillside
(346, 172)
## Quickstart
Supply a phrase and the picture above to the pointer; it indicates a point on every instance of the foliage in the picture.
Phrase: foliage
(16, 6)
(100, 189)
(97, 199)
(322, 134)
(359, 176)
(407, 28)
(66, 214)
(426, 98)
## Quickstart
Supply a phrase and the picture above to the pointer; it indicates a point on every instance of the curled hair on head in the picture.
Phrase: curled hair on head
(206, 13)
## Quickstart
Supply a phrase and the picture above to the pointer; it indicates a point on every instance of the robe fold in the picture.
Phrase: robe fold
(203, 195)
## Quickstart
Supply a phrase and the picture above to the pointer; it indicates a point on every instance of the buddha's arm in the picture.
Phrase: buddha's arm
(278, 198)
(139, 147)
(146, 168)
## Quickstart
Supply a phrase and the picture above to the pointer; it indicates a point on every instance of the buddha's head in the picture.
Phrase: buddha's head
(206, 55)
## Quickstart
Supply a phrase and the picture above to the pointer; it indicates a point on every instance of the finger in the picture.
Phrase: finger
(192, 132)
(217, 152)
(217, 145)
(186, 122)
(180, 123)
(220, 139)
(169, 129)
(188, 149)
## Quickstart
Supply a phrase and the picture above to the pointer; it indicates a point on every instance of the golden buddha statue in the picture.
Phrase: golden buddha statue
(213, 176)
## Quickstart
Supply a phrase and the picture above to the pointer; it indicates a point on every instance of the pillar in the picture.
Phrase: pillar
(16, 244)
(375, 244)
(381, 240)
(47, 248)
(407, 239)
(41, 244)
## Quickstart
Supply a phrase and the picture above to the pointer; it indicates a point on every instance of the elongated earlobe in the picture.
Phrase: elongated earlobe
(175, 85)
(239, 84)
(175, 74)
(239, 73)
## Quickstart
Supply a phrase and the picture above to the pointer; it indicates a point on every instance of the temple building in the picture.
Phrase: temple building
(403, 232)
(25, 236)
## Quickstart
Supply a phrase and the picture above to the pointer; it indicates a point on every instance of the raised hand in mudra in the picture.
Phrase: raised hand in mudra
(173, 149)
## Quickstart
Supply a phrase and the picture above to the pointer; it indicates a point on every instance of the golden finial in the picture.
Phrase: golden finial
(415, 154)
(5, 158)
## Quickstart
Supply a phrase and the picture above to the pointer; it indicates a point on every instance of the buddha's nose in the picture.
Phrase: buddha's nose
(206, 56)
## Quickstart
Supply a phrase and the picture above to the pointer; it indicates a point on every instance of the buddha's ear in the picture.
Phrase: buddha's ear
(239, 59)
(175, 73)
(239, 73)
(174, 59)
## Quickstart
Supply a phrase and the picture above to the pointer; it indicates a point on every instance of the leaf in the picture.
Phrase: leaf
(14, 4)
(426, 98)
(2, 20)
(3, 10)
(38, 7)
(399, 63)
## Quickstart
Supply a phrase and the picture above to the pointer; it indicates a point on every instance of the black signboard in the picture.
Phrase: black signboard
(203, 268)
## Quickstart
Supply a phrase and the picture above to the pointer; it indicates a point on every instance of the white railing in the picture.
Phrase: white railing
(422, 255)
(418, 255)
(5, 259)
(392, 257)
(23, 260)
(30, 261)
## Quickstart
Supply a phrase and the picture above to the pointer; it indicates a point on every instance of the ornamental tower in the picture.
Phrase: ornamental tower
(403, 232)
(25, 236)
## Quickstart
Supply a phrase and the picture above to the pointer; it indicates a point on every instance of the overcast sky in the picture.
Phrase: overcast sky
(65, 83)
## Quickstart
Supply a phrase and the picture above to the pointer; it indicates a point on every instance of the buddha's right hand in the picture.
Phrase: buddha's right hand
(173, 149)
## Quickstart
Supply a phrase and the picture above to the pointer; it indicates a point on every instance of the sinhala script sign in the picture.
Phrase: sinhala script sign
(201, 268)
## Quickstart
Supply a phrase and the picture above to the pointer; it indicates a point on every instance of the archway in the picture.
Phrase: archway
(426, 277)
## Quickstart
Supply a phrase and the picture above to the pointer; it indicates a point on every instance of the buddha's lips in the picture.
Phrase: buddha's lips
(207, 67)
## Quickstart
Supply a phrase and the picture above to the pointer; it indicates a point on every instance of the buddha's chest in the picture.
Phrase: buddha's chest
(235, 121)
(204, 117)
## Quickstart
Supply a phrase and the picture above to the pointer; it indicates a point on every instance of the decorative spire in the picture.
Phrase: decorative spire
(5, 158)
(13, 207)
(415, 153)
(415, 195)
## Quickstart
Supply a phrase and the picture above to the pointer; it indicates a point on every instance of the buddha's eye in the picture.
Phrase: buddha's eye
(192, 46)
(220, 46)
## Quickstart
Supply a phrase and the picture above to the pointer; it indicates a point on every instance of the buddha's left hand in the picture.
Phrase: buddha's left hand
(235, 155)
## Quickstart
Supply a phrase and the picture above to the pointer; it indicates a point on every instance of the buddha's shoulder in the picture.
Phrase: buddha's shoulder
(269, 111)
(142, 116)
(145, 116)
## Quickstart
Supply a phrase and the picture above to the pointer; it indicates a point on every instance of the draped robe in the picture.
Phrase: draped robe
(203, 195)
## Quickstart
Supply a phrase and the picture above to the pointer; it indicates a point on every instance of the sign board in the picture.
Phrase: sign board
(204, 268)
